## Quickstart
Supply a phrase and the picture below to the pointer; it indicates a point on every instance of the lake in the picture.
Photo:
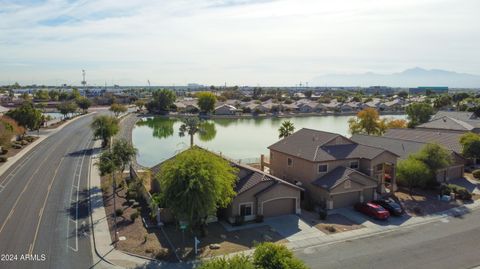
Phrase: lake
(157, 138)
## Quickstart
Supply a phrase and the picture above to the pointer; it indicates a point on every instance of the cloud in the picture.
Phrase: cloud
(241, 42)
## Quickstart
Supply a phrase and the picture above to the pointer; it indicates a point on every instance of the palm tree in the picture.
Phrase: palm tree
(286, 129)
(190, 126)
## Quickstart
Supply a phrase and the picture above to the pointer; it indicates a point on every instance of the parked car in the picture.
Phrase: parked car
(373, 210)
(389, 204)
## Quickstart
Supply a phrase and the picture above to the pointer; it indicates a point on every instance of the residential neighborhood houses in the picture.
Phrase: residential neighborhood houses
(313, 186)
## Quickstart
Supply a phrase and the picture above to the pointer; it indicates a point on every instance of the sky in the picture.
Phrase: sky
(237, 42)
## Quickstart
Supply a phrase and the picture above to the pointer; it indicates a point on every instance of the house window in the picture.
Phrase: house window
(322, 168)
(246, 209)
(289, 162)
(354, 164)
(379, 167)
(348, 184)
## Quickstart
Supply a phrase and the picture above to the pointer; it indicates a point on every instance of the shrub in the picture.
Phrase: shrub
(29, 139)
(238, 220)
(274, 256)
(236, 262)
(3, 159)
(464, 194)
(476, 173)
(4, 151)
(259, 218)
(134, 216)
(24, 142)
(16, 146)
(331, 228)
(118, 212)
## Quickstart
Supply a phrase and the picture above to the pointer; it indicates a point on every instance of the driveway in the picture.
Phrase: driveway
(470, 184)
(293, 228)
(369, 222)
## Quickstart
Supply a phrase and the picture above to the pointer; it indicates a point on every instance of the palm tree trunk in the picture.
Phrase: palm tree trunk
(191, 141)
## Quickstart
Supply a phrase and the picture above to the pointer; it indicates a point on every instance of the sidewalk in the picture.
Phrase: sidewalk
(105, 255)
(374, 229)
(45, 134)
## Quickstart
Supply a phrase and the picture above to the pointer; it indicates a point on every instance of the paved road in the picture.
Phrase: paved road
(43, 203)
(449, 243)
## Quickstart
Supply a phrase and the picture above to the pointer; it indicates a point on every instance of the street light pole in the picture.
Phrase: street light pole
(114, 200)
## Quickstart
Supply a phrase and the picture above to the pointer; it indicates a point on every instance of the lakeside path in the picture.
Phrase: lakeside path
(127, 123)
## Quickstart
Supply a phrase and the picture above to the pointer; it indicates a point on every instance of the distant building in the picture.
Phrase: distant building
(428, 90)
(383, 90)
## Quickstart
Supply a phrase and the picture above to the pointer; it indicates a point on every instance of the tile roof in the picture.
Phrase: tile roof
(449, 123)
(248, 176)
(448, 139)
(402, 148)
(311, 145)
(459, 115)
(340, 174)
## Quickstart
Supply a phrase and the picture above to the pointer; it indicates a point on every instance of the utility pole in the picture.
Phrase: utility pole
(84, 82)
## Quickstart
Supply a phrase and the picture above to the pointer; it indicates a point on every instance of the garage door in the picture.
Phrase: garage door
(368, 195)
(279, 207)
(455, 172)
(345, 199)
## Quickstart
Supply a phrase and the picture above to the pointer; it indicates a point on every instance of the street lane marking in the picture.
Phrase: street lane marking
(26, 186)
(76, 185)
(8, 178)
(40, 214)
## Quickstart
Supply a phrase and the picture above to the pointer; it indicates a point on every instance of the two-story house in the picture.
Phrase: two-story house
(334, 170)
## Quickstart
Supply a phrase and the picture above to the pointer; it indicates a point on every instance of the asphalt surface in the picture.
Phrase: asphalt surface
(448, 243)
(44, 203)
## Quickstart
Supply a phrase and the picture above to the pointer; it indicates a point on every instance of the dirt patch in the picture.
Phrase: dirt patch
(335, 223)
(424, 202)
(13, 151)
(154, 244)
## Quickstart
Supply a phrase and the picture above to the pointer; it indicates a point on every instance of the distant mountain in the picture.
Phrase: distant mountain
(413, 77)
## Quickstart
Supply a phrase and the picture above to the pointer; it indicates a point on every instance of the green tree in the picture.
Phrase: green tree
(84, 103)
(195, 183)
(190, 126)
(442, 101)
(74, 94)
(53, 94)
(435, 157)
(105, 127)
(66, 108)
(27, 116)
(42, 95)
(275, 256)
(287, 128)
(412, 173)
(124, 153)
(106, 164)
(419, 113)
(470, 145)
(118, 109)
(162, 101)
(308, 93)
(403, 94)
(140, 104)
(206, 101)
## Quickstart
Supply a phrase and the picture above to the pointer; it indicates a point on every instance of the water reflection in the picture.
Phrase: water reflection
(162, 127)
(166, 127)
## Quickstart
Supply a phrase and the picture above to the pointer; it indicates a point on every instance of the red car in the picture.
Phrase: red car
(373, 210)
